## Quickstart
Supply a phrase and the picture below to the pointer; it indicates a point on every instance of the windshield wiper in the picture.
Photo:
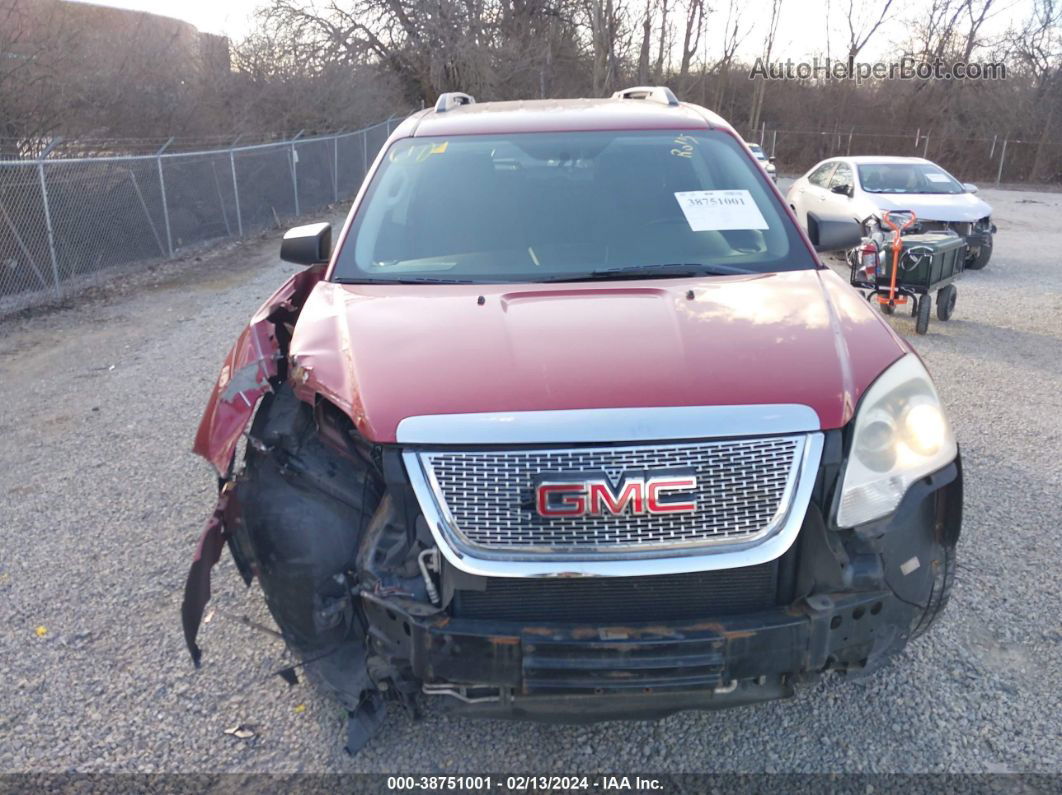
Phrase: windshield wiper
(666, 270)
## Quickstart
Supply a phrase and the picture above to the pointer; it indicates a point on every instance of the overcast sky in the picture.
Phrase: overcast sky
(801, 32)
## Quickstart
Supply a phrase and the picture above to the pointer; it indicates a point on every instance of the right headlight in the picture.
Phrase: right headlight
(901, 435)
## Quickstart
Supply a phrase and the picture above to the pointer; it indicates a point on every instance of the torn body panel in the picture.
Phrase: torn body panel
(207, 553)
(253, 368)
(252, 363)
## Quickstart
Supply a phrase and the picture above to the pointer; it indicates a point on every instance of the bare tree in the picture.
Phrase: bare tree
(935, 26)
(643, 51)
(34, 47)
(976, 17)
(691, 37)
(733, 35)
(665, 30)
(328, 64)
(939, 31)
(603, 33)
(826, 28)
(1039, 48)
(768, 48)
(861, 30)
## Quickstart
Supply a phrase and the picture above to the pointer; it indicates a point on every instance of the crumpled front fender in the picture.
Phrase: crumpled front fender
(252, 363)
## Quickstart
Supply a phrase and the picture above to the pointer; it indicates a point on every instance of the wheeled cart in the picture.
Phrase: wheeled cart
(911, 267)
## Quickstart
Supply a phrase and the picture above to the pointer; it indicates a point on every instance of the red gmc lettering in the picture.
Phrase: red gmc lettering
(630, 494)
(598, 497)
(673, 484)
(571, 502)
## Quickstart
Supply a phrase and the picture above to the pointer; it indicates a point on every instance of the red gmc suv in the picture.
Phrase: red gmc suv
(572, 423)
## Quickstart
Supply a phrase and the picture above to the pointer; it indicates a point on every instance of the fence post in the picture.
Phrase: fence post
(774, 143)
(162, 188)
(295, 169)
(147, 213)
(48, 215)
(335, 168)
(235, 184)
(925, 148)
(1002, 157)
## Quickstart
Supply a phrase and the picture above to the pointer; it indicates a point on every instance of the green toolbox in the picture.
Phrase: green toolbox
(928, 260)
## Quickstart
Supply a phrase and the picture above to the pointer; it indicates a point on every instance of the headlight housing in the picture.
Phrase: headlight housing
(900, 435)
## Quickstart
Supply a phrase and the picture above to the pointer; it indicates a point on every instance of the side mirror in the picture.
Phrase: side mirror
(969, 187)
(844, 190)
(307, 245)
(834, 233)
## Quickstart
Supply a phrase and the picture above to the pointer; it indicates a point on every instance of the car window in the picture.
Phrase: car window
(821, 175)
(551, 206)
(842, 175)
(910, 177)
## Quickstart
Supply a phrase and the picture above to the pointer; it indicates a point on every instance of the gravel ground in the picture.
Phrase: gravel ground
(103, 503)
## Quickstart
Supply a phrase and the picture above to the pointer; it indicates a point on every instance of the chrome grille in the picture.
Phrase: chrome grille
(744, 490)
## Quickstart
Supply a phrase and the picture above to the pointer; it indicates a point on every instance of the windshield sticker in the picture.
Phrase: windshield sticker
(938, 177)
(720, 210)
(417, 154)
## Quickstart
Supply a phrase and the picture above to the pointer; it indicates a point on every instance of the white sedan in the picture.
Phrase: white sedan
(863, 187)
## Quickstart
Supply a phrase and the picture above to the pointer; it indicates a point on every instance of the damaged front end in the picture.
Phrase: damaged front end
(352, 574)
(575, 649)
(308, 513)
(366, 587)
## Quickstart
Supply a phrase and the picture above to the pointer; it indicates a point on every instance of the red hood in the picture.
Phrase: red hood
(383, 353)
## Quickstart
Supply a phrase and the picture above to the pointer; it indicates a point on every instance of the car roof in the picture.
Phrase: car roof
(560, 115)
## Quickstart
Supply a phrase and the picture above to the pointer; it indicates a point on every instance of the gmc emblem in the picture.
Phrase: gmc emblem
(566, 494)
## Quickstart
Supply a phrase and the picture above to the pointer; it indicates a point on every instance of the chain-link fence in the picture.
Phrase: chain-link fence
(66, 218)
(994, 160)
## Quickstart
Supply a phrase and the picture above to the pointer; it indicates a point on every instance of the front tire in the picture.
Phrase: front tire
(943, 581)
(976, 262)
(304, 507)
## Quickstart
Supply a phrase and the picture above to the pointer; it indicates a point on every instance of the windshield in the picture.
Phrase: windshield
(907, 178)
(567, 206)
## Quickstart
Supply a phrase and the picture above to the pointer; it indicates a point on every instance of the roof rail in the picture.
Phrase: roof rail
(451, 100)
(661, 94)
